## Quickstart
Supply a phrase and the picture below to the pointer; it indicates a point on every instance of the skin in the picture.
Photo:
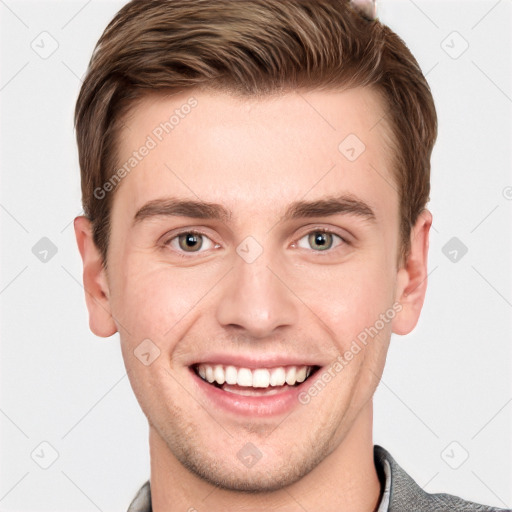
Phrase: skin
(255, 157)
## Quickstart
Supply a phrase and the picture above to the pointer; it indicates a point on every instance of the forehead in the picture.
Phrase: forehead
(256, 154)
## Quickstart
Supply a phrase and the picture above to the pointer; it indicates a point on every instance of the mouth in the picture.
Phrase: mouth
(254, 382)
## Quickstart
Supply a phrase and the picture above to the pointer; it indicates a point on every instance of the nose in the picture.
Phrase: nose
(256, 299)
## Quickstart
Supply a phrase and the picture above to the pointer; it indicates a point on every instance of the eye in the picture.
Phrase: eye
(190, 242)
(320, 240)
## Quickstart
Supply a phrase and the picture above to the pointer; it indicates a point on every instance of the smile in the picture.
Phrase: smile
(260, 391)
(255, 378)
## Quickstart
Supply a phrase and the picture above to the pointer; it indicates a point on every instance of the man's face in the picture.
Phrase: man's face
(266, 285)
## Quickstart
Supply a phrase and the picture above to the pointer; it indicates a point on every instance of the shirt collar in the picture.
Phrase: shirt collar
(386, 495)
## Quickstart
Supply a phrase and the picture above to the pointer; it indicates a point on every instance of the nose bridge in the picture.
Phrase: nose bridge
(254, 298)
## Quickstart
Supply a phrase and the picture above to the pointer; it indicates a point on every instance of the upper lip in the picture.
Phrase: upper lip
(253, 362)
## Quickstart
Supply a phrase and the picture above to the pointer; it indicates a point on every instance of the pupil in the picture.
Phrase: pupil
(319, 239)
(190, 241)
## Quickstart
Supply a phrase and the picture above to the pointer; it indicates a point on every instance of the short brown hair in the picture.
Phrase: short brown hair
(250, 47)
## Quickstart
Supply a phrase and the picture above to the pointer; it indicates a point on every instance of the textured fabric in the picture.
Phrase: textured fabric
(401, 492)
(142, 502)
(407, 496)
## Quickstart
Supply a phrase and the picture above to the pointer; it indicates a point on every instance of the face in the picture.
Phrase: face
(252, 276)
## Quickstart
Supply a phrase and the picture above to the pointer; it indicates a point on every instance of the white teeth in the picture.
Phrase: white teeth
(290, 376)
(301, 374)
(231, 374)
(260, 378)
(218, 374)
(277, 377)
(209, 374)
(257, 378)
(244, 377)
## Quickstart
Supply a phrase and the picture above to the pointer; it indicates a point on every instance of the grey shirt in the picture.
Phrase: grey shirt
(400, 493)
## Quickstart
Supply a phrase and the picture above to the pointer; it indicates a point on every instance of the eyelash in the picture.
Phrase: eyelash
(181, 254)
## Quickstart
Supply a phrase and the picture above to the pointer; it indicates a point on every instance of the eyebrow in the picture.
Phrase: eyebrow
(344, 204)
(329, 206)
(182, 208)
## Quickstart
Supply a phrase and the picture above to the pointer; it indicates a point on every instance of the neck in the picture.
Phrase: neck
(346, 480)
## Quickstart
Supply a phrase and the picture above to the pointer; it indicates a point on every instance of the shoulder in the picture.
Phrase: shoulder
(406, 494)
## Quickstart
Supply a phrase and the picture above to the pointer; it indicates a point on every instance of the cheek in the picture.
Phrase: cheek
(152, 301)
(347, 298)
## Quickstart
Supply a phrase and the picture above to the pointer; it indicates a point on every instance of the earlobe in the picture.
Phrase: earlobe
(412, 277)
(95, 282)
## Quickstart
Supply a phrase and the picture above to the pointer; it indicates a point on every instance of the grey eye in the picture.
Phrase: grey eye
(319, 240)
(190, 241)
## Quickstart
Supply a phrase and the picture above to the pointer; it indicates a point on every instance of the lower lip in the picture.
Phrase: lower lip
(264, 405)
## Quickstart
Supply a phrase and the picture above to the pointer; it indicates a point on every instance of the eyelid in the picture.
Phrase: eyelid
(169, 237)
(345, 240)
(321, 229)
(341, 233)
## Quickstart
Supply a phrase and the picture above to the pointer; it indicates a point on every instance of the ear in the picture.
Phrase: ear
(96, 289)
(412, 277)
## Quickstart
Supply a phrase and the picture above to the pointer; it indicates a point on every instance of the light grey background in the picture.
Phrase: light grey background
(446, 393)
